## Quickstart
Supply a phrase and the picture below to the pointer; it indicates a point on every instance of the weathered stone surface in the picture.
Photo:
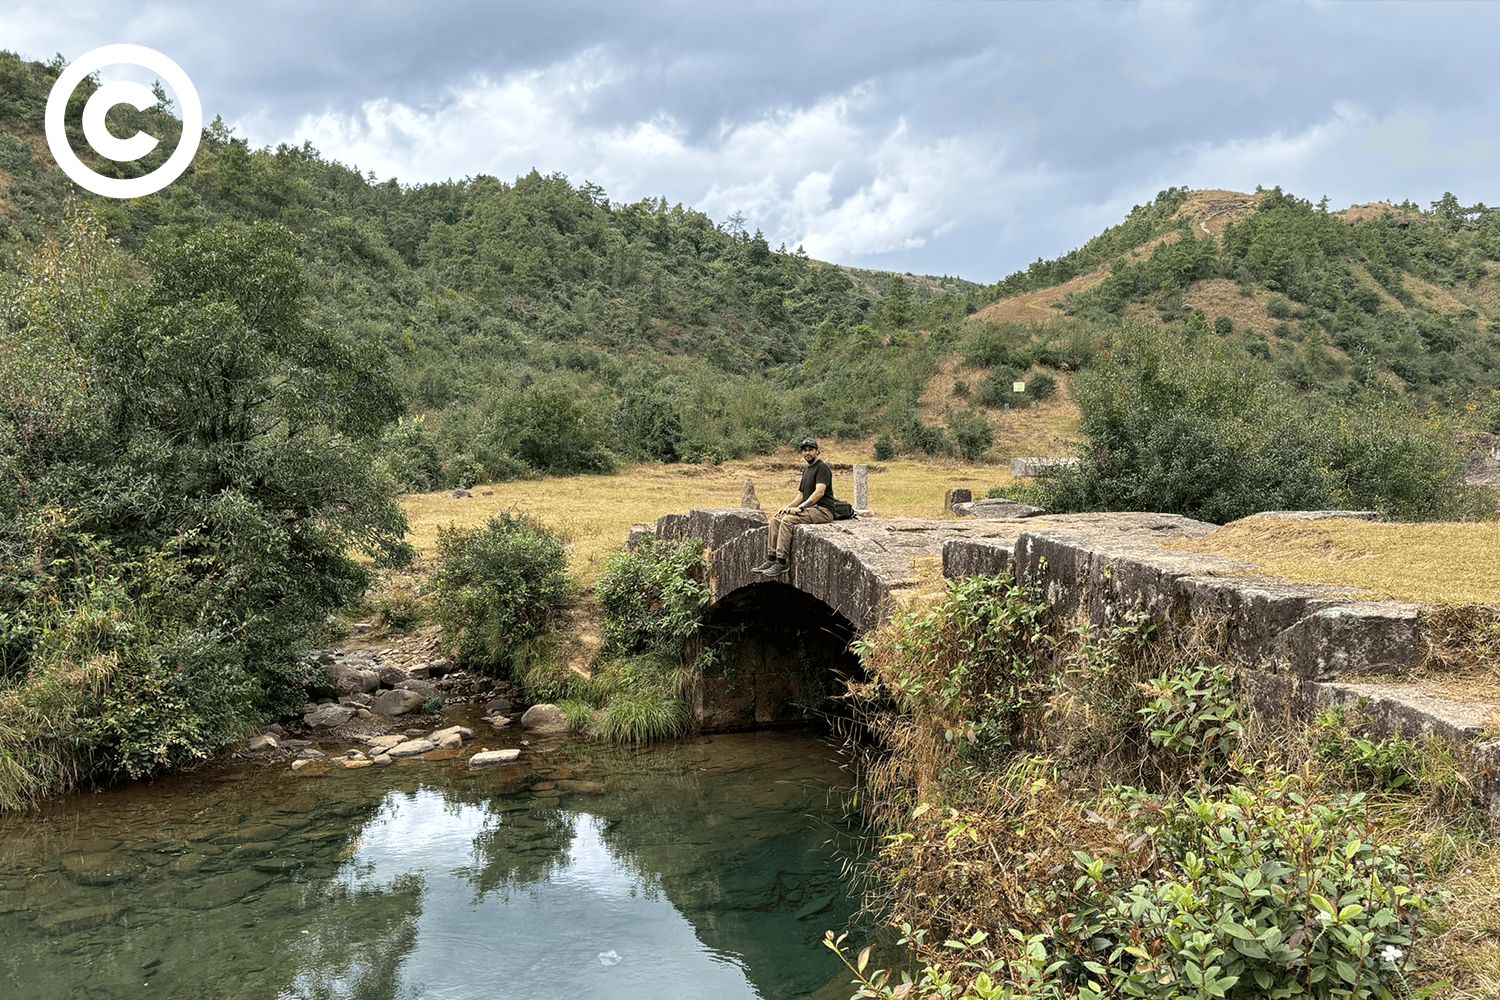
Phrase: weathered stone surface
(328, 716)
(1256, 610)
(353, 763)
(412, 748)
(715, 527)
(546, 719)
(449, 740)
(265, 741)
(498, 706)
(391, 676)
(353, 680)
(638, 532)
(861, 499)
(356, 701)
(426, 689)
(976, 557)
(1379, 637)
(397, 702)
(955, 496)
(748, 499)
(308, 765)
(1408, 711)
(493, 758)
(997, 509)
(462, 732)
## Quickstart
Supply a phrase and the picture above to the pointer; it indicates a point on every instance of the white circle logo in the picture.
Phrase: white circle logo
(98, 135)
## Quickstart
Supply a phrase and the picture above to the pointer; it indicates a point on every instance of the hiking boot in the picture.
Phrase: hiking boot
(770, 561)
(777, 568)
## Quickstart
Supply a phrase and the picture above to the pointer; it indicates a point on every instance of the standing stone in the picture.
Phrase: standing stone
(748, 497)
(861, 487)
(956, 495)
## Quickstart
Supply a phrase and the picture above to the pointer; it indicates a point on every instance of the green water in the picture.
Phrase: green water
(707, 869)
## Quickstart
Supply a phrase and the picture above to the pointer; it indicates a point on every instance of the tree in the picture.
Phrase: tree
(186, 467)
(898, 307)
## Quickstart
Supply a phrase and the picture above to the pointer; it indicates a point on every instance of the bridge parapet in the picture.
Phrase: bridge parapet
(1302, 646)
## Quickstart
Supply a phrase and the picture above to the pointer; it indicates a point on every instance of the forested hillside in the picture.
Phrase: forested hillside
(532, 325)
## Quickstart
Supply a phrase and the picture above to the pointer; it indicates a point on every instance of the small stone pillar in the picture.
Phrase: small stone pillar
(748, 497)
(957, 495)
(861, 487)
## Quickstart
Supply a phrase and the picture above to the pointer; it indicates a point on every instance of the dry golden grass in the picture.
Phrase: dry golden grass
(1435, 563)
(595, 513)
(1037, 306)
(1213, 210)
(1221, 297)
(1048, 430)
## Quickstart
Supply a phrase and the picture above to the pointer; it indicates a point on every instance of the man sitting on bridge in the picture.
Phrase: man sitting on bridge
(814, 506)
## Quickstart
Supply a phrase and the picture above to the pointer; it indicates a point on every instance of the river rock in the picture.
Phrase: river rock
(426, 689)
(463, 732)
(581, 787)
(546, 719)
(397, 702)
(78, 919)
(276, 866)
(222, 890)
(384, 742)
(392, 676)
(265, 741)
(350, 763)
(299, 765)
(493, 758)
(101, 869)
(353, 680)
(328, 716)
(816, 907)
(380, 759)
(498, 706)
(357, 700)
(412, 748)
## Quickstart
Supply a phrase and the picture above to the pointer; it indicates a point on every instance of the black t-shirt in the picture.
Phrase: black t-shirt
(818, 472)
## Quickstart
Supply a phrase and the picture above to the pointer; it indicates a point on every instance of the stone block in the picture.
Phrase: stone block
(955, 496)
(976, 557)
(1361, 637)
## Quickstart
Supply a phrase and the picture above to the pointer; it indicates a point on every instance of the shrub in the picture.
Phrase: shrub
(498, 588)
(654, 597)
(1041, 385)
(971, 434)
(996, 389)
(885, 448)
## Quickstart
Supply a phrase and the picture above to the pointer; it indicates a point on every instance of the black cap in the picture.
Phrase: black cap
(807, 443)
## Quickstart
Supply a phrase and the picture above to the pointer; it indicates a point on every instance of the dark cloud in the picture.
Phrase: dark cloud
(960, 138)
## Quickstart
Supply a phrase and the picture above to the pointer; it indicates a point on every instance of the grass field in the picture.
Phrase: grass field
(1436, 563)
(595, 513)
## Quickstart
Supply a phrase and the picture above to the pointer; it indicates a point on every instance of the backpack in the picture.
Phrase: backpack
(842, 510)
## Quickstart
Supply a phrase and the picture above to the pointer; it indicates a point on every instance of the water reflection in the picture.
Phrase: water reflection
(707, 870)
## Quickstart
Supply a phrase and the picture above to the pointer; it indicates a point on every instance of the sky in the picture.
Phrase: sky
(963, 139)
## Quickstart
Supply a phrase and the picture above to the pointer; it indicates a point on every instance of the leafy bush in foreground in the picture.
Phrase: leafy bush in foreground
(498, 588)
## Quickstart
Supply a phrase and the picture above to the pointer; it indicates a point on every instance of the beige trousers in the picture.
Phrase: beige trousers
(779, 540)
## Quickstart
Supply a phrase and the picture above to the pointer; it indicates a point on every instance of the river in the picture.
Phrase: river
(707, 868)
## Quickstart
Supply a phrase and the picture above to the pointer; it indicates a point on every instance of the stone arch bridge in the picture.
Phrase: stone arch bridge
(1296, 642)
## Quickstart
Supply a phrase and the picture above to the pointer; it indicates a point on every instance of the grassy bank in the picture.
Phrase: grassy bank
(1075, 813)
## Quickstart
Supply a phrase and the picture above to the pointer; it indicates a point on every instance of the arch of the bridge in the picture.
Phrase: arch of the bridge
(776, 654)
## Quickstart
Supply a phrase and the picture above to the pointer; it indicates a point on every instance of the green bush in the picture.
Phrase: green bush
(1041, 385)
(971, 434)
(653, 597)
(885, 448)
(498, 588)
